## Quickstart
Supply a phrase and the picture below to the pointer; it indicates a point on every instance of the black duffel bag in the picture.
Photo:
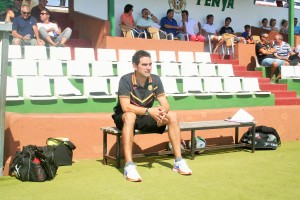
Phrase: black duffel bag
(62, 149)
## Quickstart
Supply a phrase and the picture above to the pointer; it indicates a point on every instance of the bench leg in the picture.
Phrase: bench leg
(104, 147)
(193, 144)
(118, 151)
(236, 135)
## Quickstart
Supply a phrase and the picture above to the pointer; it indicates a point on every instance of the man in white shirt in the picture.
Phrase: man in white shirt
(50, 32)
(210, 31)
(187, 24)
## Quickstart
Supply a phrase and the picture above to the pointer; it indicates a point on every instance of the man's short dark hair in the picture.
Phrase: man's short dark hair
(170, 10)
(246, 26)
(228, 18)
(209, 16)
(263, 35)
(144, 10)
(264, 19)
(128, 8)
(186, 12)
(283, 21)
(137, 56)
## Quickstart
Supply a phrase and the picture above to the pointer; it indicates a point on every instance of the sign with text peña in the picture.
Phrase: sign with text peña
(217, 3)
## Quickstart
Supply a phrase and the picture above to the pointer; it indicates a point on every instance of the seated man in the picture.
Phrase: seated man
(36, 10)
(24, 29)
(169, 25)
(10, 11)
(147, 20)
(247, 33)
(227, 29)
(296, 28)
(50, 32)
(265, 55)
(264, 23)
(283, 50)
(210, 31)
(187, 25)
(134, 110)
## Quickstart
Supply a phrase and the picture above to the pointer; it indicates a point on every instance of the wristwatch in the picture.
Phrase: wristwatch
(147, 111)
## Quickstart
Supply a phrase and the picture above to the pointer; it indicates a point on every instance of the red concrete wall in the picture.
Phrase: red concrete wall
(84, 129)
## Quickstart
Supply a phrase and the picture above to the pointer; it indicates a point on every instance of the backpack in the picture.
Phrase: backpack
(33, 164)
(265, 138)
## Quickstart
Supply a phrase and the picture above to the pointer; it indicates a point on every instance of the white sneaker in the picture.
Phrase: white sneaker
(131, 174)
(182, 168)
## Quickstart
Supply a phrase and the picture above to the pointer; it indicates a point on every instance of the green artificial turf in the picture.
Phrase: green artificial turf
(231, 175)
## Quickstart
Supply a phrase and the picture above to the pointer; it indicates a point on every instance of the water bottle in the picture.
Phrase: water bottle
(40, 174)
(28, 36)
(55, 34)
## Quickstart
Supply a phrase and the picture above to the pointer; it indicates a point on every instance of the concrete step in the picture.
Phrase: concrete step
(287, 101)
(285, 94)
(273, 87)
(248, 73)
(220, 61)
(262, 80)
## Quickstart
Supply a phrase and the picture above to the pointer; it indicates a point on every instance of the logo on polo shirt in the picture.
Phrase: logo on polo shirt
(150, 87)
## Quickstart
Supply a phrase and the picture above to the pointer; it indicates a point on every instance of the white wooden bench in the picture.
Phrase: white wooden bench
(184, 126)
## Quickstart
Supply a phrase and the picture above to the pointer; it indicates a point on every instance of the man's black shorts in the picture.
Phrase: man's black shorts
(143, 123)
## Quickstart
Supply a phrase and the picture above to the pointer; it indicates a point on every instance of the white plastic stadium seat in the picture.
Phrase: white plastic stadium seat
(170, 69)
(35, 52)
(12, 91)
(193, 86)
(60, 53)
(167, 56)
(23, 67)
(14, 52)
(37, 88)
(207, 69)
(96, 88)
(102, 68)
(233, 85)
(287, 72)
(78, 68)
(225, 70)
(170, 87)
(124, 68)
(153, 55)
(107, 55)
(202, 57)
(51, 67)
(126, 55)
(84, 54)
(186, 56)
(114, 85)
(189, 69)
(214, 85)
(252, 85)
(297, 71)
(64, 89)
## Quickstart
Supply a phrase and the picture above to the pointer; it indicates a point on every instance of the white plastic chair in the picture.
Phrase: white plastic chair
(170, 87)
(214, 85)
(233, 85)
(189, 69)
(153, 55)
(126, 55)
(64, 89)
(167, 56)
(96, 88)
(297, 71)
(14, 52)
(12, 91)
(170, 69)
(60, 53)
(102, 68)
(84, 54)
(37, 88)
(287, 72)
(114, 85)
(186, 56)
(77, 68)
(207, 69)
(50, 68)
(252, 85)
(107, 55)
(202, 57)
(124, 68)
(193, 86)
(23, 67)
(35, 52)
(154, 69)
(225, 70)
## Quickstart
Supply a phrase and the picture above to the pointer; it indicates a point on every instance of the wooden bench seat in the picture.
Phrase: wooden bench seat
(184, 126)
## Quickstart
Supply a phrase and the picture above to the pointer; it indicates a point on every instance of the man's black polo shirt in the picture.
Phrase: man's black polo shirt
(139, 96)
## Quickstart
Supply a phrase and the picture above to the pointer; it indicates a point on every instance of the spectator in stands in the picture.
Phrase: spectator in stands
(265, 55)
(30, 3)
(127, 17)
(169, 25)
(134, 110)
(12, 11)
(36, 11)
(264, 22)
(227, 29)
(211, 33)
(273, 25)
(284, 27)
(283, 49)
(187, 25)
(50, 32)
(24, 29)
(247, 33)
(147, 20)
(296, 28)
